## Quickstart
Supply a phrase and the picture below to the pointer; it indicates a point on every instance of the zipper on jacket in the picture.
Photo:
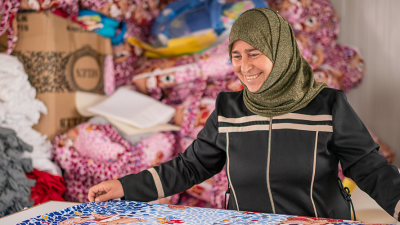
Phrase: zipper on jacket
(268, 165)
(228, 173)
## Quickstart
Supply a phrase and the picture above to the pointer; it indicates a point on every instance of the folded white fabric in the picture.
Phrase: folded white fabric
(19, 110)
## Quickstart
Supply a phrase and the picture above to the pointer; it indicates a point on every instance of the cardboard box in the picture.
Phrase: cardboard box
(60, 58)
(3, 42)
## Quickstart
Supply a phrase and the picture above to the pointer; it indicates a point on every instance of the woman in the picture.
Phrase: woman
(281, 138)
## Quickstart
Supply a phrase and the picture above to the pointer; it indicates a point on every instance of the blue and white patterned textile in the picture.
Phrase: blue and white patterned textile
(131, 212)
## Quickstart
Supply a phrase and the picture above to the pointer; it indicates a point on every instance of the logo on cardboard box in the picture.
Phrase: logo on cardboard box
(60, 72)
(85, 71)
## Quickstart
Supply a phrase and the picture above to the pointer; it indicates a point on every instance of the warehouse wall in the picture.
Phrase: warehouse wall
(373, 26)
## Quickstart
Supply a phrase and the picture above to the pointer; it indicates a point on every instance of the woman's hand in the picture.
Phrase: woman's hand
(106, 190)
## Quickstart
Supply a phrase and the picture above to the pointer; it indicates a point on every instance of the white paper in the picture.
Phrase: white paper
(84, 100)
(131, 130)
(134, 108)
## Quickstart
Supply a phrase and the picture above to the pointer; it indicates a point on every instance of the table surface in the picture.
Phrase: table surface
(127, 212)
(367, 210)
(34, 211)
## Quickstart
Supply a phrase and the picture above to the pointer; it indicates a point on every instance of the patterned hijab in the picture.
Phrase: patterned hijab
(290, 86)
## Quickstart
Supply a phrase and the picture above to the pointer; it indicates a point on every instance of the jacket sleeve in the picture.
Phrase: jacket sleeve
(200, 161)
(360, 160)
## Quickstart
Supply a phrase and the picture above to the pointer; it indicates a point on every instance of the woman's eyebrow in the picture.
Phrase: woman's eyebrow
(246, 51)
(250, 50)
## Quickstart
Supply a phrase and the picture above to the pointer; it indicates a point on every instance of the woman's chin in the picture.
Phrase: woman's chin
(253, 88)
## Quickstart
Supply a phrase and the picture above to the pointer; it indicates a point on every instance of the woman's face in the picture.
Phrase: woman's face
(250, 64)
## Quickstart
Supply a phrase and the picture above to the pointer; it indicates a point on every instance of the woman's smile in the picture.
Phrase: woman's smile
(251, 78)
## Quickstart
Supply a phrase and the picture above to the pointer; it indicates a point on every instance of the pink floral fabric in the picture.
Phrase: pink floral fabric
(349, 62)
(8, 22)
(220, 186)
(109, 78)
(157, 149)
(93, 142)
(83, 171)
(316, 27)
(215, 65)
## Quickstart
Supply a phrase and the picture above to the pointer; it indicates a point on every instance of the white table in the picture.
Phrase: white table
(34, 211)
(367, 210)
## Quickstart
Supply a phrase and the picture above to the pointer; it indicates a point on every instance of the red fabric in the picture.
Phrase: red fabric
(48, 187)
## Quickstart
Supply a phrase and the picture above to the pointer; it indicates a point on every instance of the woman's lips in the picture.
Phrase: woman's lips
(252, 77)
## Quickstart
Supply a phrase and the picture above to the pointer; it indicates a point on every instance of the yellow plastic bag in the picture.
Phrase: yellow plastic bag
(347, 182)
(177, 46)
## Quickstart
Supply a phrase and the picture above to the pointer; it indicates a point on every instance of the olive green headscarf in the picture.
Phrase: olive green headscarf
(290, 85)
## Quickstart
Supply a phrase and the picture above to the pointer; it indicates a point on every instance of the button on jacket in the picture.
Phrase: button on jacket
(286, 164)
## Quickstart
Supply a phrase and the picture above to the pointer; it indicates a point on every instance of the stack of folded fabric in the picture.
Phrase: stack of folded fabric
(15, 187)
(48, 187)
(19, 110)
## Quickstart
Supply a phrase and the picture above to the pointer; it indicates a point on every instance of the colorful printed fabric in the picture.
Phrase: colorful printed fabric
(109, 80)
(157, 149)
(316, 27)
(218, 198)
(127, 212)
(326, 74)
(48, 187)
(321, 22)
(8, 22)
(84, 171)
(125, 70)
(93, 142)
(347, 61)
(385, 150)
(90, 154)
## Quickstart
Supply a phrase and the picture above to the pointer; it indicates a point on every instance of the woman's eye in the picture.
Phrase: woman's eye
(237, 57)
(254, 55)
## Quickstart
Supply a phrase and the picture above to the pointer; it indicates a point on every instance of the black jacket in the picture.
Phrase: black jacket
(286, 164)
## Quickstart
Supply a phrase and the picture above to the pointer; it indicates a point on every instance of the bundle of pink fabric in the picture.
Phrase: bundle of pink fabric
(90, 154)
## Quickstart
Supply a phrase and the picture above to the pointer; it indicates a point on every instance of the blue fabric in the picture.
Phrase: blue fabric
(90, 213)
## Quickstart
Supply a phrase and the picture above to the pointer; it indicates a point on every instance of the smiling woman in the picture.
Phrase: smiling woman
(281, 138)
(250, 64)
(290, 85)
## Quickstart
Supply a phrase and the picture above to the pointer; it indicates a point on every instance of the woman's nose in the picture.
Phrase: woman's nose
(246, 65)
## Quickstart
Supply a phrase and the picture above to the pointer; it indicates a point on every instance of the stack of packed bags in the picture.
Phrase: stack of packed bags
(19, 111)
(191, 88)
(114, 19)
